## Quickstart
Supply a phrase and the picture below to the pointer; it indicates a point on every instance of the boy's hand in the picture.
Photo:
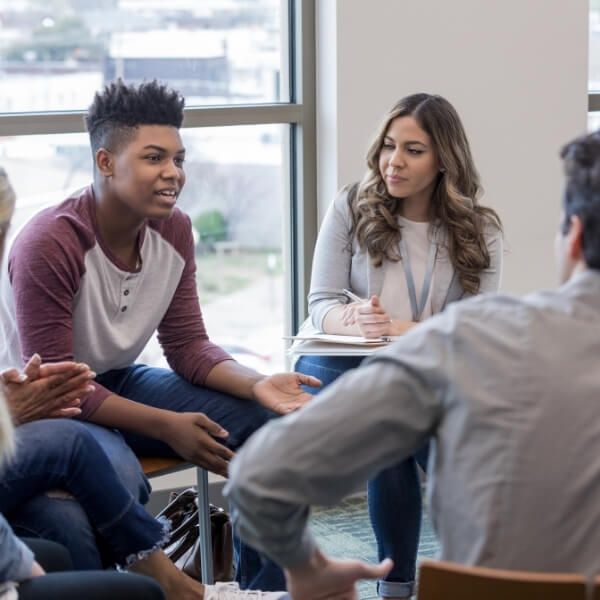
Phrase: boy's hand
(191, 436)
(45, 391)
(282, 393)
(324, 578)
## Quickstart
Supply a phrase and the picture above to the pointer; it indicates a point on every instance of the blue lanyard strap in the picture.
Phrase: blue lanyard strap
(417, 311)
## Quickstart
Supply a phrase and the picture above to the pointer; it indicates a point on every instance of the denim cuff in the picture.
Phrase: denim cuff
(395, 589)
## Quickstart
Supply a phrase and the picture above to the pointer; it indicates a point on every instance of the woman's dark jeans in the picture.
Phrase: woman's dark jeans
(394, 494)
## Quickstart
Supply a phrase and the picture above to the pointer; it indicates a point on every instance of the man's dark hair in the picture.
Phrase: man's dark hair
(115, 113)
(582, 192)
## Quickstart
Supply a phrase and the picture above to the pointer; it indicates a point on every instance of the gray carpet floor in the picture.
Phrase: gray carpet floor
(344, 531)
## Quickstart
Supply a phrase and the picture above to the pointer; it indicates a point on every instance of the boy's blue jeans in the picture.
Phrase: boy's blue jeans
(161, 388)
(394, 495)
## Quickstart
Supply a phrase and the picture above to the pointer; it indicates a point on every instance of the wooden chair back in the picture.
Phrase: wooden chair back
(442, 580)
(596, 593)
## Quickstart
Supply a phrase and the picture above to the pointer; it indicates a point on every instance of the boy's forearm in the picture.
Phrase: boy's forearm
(121, 413)
(232, 378)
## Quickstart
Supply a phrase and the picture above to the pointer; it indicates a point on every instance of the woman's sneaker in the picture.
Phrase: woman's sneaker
(231, 591)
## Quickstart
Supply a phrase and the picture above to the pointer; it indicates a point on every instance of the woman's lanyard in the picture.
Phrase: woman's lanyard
(417, 311)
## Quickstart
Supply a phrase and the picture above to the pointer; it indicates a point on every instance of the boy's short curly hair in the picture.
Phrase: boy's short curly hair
(582, 192)
(119, 108)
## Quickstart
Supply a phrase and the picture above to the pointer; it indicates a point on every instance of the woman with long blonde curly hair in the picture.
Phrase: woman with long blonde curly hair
(394, 249)
(452, 201)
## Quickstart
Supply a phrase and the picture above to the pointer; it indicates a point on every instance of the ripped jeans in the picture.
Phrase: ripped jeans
(64, 454)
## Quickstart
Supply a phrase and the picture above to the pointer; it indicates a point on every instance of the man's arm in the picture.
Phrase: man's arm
(324, 578)
(368, 419)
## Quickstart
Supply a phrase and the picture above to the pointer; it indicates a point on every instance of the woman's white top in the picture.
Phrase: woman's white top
(394, 295)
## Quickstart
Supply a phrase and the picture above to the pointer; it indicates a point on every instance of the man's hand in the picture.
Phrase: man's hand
(44, 391)
(282, 393)
(324, 578)
(191, 436)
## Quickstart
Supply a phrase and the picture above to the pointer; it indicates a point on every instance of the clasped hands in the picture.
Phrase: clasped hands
(372, 319)
(45, 391)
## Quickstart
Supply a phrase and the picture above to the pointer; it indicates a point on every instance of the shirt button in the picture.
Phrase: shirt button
(126, 293)
(124, 309)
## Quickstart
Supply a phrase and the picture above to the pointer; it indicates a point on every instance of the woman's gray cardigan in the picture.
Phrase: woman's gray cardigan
(338, 265)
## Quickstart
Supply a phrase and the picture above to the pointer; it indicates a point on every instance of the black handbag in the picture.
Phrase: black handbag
(183, 546)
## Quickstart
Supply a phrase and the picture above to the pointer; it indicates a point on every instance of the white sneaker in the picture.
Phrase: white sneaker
(231, 591)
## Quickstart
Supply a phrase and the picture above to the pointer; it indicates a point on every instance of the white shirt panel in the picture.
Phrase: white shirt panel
(394, 296)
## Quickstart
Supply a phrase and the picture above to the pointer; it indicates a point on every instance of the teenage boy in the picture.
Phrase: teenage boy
(508, 390)
(95, 276)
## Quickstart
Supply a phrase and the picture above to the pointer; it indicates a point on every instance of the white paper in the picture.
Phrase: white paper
(354, 340)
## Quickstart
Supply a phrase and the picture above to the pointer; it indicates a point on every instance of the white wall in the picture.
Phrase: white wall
(516, 71)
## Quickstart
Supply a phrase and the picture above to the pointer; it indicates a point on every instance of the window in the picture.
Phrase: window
(246, 68)
(57, 54)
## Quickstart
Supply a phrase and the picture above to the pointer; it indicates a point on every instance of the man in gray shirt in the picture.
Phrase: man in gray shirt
(509, 392)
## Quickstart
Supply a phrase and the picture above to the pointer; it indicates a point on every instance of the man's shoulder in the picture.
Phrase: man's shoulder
(503, 303)
(502, 315)
(488, 306)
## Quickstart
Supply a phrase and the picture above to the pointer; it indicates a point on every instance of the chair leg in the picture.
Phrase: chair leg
(205, 531)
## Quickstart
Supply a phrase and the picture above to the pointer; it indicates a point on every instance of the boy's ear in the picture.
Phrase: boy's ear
(104, 162)
(575, 239)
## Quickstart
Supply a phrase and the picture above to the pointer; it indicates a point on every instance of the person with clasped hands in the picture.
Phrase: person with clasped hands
(507, 388)
(394, 249)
